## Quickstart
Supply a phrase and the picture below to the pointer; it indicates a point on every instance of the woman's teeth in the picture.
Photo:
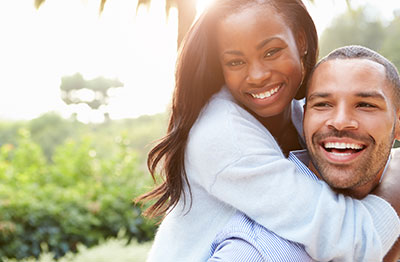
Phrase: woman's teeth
(266, 94)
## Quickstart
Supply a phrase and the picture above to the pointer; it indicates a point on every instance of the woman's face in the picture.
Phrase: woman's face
(260, 59)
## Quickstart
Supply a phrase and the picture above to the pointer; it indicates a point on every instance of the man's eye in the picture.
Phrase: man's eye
(365, 105)
(321, 105)
(272, 52)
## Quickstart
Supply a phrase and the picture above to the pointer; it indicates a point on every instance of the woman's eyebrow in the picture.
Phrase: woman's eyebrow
(258, 47)
(232, 52)
(265, 41)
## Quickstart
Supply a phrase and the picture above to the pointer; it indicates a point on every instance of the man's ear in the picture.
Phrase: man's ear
(304, 113)
(397, 127)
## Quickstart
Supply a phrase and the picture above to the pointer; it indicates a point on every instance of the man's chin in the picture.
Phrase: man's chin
(341, 178)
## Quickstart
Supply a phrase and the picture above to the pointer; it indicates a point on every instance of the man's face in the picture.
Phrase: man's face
(350, 121)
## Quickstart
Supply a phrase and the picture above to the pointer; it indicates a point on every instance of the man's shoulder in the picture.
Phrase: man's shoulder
(263, 241)
(240, 228)
(301, 159)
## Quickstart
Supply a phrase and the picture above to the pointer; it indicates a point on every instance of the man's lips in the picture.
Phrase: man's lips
(342, 146)
(342, 151)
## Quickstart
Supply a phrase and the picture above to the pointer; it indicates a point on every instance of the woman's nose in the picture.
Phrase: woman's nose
(257, 74)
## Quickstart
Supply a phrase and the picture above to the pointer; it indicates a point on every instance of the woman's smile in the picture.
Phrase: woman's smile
(266, 94)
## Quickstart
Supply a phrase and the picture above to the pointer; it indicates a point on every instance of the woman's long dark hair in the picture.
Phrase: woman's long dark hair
(199, 76)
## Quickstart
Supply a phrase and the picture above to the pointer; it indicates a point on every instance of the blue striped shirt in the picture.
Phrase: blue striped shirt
(245, 240)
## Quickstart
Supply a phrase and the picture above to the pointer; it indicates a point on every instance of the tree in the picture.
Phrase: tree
(390, 46)
(353, 27)
(76, 90)
(186, 12)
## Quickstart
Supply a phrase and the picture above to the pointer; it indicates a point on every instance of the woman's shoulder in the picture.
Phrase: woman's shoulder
(223, 113)
(221, 104)
(224, 132)
(224, 123)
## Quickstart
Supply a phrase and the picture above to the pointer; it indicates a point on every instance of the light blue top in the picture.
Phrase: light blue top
(233, 163)
(245, 240)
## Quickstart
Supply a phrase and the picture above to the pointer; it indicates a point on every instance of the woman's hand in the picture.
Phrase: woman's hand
(390, 186)
(394, 253)
(389, 190)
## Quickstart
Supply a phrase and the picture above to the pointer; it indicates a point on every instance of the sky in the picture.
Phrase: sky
(64, 37)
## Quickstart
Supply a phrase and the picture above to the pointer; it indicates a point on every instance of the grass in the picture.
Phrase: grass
(112, 250)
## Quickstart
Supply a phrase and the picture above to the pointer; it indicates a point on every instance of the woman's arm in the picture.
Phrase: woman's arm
(233, 157)
(389, 190)
(394, 254)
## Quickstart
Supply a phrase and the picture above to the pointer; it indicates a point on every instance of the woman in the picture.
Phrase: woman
(225, 147)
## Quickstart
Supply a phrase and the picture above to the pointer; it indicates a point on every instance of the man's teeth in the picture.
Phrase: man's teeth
(343, 145)
(266, 94)
(341, 154)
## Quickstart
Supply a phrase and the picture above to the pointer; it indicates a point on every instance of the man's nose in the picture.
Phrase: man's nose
(258, 73)
(342, 119)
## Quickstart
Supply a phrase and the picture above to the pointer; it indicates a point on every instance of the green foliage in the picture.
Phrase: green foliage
(353, 27)
(357, 27)
(9, 132)
(390, 46)
(76, 197)
(97, 87)
(111, 250)
(51, 130)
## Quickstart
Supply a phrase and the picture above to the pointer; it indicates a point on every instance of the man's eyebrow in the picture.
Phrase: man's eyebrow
(366, 94)
(371, 94)
(318, 95)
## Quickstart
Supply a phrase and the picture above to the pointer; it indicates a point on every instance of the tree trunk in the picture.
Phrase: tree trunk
(186, 15)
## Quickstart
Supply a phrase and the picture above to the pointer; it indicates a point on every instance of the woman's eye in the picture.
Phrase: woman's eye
(235, 63)
(272, 52)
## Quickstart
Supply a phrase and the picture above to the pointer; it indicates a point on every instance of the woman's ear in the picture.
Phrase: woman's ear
(302, 44)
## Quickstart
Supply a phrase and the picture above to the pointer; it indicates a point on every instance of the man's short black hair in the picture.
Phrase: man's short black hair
(361, 52)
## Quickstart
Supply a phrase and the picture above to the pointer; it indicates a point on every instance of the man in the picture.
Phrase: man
(351, 120)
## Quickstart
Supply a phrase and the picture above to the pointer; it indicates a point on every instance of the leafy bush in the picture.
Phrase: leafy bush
(77, 198)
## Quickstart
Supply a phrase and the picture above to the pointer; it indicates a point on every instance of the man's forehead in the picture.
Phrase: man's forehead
(345, 74)
(354, 65)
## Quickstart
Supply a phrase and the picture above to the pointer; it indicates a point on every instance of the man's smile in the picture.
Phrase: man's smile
(341, 150)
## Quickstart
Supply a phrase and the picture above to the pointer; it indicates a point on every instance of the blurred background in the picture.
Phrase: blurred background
(86, 86)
